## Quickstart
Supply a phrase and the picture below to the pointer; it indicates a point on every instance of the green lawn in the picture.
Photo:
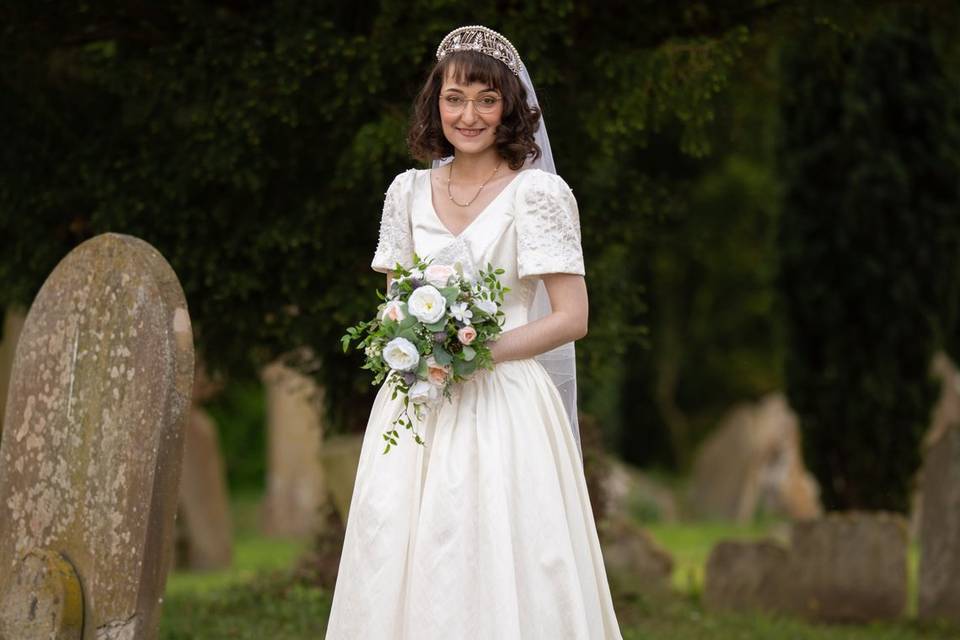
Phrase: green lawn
(258, 599)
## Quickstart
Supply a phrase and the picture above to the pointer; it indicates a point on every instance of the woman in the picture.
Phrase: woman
(486, 532)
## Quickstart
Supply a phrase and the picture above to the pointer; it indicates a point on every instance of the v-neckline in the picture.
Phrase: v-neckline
(436, 216)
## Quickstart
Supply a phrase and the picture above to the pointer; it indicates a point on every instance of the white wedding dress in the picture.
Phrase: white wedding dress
(486, 532)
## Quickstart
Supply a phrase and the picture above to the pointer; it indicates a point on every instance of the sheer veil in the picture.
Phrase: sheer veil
(560, 363)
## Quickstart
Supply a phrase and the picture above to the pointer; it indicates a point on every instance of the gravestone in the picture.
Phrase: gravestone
(204, 514)
(90, 458)
(744, 575)
(753, 462)
(340, 458)
(12, 324)
(843, 567)
(296, 488)
(939, 579)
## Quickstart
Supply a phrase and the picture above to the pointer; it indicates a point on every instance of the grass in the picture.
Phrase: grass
(257, 598)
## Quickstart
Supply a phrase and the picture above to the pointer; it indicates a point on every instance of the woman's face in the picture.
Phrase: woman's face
(470, 114)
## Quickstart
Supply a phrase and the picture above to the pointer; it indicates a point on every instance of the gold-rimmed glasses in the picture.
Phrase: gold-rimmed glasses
(456, 103)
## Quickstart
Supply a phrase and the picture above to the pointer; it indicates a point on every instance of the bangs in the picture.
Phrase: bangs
(467, 67)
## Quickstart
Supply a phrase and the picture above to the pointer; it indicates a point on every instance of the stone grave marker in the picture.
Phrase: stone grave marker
(204, 516)
(296, 487)
(91, 453)
(843, 567)
(939, 579)
(12, 324)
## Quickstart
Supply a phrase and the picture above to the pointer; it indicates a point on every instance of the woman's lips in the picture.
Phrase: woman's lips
(470, 133)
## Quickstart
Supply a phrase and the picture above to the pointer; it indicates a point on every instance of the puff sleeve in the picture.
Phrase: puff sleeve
(396, 239)
(548, 227)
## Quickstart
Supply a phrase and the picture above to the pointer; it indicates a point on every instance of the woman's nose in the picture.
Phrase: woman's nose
(469, 112)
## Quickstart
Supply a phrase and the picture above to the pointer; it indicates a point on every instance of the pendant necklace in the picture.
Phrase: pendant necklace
(450, 193)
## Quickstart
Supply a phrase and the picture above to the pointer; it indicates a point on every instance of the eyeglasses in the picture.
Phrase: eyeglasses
(453, 103)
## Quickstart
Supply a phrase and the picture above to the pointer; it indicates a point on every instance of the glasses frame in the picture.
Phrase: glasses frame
(476, 103)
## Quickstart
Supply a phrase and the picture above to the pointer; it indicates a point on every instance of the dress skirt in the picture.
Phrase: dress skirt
(484, 533)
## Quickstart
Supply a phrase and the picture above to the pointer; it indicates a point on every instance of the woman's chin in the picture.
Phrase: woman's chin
(472, 147)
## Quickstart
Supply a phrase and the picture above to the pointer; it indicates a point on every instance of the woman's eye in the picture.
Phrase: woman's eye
(488, 101)
(453, 100)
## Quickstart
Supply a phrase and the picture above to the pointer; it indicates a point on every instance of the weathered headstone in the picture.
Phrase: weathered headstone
(753, 462)
(630, 492)
(844, 567)
(296, 487)
(635, 562)
(939, 579)
(340, 458)
(747, 575)
(90, 458)
(12, 325)
(205, 522)
(851, 567)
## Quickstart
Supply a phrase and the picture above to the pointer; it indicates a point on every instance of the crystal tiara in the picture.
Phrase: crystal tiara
(484, 40)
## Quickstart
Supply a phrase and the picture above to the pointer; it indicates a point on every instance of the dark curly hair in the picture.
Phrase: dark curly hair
(514, 135)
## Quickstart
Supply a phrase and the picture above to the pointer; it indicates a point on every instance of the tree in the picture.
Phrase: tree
(869, 237)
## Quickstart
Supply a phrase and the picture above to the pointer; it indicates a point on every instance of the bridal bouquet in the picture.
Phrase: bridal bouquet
(431, 331)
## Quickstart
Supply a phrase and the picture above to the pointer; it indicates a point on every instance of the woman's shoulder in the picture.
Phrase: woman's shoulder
(403, 181)
(537, 183)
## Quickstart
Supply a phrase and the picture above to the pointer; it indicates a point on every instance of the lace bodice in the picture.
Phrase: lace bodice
(531, 228)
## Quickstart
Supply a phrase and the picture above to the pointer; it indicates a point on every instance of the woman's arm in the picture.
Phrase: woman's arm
(567, 322)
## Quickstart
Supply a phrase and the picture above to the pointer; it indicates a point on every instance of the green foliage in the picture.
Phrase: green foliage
(240, 414)
(251, 144)
(870, 239)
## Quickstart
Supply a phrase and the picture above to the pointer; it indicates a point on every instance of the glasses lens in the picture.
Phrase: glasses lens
(451, 103)
(487, 104)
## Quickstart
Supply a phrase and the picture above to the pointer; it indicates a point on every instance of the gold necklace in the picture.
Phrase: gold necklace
(450, 177)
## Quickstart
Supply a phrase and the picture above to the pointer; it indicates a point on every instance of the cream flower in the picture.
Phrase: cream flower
(401, 354)
(439, 274)
(427, 304)
(422, 392)
(460, 311)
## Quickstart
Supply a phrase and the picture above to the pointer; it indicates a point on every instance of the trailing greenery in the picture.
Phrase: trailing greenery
(869, 240)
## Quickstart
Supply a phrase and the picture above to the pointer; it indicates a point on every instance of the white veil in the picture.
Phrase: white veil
(560, 363)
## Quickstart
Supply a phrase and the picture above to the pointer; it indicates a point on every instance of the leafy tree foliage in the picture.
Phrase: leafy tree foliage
(251, 143)
(870, 235)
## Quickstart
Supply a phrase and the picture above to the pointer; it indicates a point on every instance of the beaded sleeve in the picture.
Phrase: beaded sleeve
(548, 227)
(396, 239)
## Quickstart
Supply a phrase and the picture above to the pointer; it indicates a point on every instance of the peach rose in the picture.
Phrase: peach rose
(466, 335)
(437, 374)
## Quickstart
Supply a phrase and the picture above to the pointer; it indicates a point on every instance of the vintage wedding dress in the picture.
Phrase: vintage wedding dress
(485, 533)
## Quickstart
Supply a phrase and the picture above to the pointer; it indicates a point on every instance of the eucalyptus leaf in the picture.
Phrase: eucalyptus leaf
(442, 356)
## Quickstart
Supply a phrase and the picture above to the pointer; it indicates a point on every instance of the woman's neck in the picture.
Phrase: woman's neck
(475, 168)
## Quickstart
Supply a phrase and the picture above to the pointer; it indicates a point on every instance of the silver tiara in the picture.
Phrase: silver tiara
(484, 40)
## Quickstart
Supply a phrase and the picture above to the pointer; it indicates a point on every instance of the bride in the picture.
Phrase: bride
(485, 532)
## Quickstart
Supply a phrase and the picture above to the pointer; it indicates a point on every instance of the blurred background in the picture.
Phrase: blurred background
(770, 209)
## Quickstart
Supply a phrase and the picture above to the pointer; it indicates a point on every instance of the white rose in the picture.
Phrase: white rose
(489, 307)
(401, 354)
(422, 392)
(393, 310)
(439, 274)
(427, 304)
